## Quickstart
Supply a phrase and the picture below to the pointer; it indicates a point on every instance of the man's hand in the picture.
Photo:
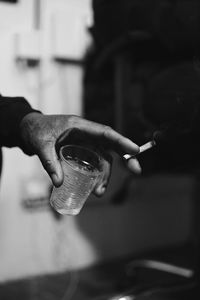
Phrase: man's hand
(44, 134)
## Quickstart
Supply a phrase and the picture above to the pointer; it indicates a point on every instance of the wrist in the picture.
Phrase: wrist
(27, 127)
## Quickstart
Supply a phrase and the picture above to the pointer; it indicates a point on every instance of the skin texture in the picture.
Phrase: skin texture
(43, 135)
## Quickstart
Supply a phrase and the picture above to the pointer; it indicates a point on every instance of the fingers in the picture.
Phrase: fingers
(51, 163)
(102, 134)
(89, 133)
(112, 138)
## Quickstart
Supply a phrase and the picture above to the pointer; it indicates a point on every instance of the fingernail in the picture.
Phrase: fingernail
(103, 189)
(55, 179)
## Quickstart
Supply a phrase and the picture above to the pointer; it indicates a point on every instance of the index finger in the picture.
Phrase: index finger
(114, 140)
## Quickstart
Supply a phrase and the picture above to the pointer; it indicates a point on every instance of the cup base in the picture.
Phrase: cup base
(71, 212)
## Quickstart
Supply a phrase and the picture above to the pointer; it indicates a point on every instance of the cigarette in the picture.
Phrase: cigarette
(143, 148)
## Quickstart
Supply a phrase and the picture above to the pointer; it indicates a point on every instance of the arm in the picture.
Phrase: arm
(43, 135)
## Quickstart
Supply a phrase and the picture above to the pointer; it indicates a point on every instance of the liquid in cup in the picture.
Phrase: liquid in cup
(82, 169)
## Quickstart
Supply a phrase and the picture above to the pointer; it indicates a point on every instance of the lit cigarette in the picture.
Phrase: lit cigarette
(143, 148)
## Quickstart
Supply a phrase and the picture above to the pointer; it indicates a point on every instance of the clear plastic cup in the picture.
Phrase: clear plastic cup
(82, 169)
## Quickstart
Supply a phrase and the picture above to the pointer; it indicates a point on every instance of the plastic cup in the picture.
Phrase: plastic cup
(82, 169)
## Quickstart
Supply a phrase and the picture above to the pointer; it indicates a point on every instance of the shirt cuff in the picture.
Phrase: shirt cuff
(12, 111)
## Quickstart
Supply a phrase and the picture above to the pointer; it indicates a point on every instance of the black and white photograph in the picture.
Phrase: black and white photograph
(99, 150)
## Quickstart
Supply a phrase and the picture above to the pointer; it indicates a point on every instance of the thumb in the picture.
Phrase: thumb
(51, 164)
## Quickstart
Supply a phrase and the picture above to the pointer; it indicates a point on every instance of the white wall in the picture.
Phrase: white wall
(30, 242)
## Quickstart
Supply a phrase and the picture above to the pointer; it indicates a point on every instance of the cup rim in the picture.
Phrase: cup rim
(95, 172)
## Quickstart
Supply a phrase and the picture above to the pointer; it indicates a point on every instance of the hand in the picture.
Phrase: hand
(44, 134)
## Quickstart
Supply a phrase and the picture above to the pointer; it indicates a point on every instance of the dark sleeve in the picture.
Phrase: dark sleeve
(12, 111)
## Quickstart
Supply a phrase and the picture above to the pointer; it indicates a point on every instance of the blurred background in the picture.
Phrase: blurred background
(72, 57)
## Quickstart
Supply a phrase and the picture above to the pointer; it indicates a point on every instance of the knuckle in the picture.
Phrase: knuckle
(106, 130)
(48, 165)
(109, 134)
(73, 121)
